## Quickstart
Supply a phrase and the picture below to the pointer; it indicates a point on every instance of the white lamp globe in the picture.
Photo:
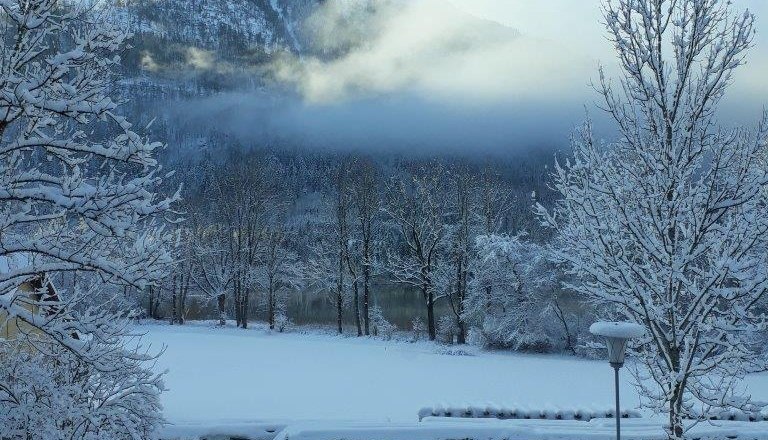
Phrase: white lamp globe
(616, 335)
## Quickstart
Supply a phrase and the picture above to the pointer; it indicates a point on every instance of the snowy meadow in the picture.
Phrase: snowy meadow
(218, 375)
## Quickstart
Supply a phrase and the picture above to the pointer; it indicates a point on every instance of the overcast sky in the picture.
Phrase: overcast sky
(570, 22)
(574, 25)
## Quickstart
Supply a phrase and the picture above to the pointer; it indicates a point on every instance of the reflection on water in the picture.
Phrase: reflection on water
(399, 304)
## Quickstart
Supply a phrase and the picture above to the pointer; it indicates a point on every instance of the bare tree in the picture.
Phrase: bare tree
(352, 260)
(181, 275)
(214, 272)
(279, 271)
(667, 225)
(496, 201)
(366, 201)
(341, 228)
(245, 198)
(417, 210)
(460, 236)
(324, 275)
(327, 269)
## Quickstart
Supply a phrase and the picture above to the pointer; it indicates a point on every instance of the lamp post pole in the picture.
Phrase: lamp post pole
(616, 335)
(616, 368)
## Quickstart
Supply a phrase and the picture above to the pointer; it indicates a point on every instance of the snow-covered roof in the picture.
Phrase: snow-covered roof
(11, 263)
(624, 330)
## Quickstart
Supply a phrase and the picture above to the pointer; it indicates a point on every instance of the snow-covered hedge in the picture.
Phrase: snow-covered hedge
(740, 416)
(515, 412)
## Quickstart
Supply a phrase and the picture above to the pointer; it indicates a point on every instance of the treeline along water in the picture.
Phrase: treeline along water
(399, 304)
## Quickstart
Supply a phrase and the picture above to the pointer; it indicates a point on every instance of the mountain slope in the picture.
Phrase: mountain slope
(172, 33)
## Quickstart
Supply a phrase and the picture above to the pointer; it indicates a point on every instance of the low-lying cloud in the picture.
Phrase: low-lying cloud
(409, 76)
(402, 123)
(423, 75)
(428, 48)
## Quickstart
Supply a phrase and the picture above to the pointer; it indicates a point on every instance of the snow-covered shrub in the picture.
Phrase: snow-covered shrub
(455, 350)
(49, 392)
(418, 329)
(446, 330)
(534, 343)
(282, 321)
(511, 294)
(476, 337)
(380, 326)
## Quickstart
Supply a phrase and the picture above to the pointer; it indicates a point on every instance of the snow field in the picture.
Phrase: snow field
(447, 429)
(254, 383)
(252, 375)
(487, 429)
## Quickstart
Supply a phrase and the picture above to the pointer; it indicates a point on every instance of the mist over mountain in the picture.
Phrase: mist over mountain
(419, 76)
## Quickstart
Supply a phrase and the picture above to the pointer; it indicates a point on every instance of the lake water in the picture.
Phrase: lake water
(400, 306)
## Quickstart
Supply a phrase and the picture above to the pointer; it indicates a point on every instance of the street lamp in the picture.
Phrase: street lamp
(616, 335)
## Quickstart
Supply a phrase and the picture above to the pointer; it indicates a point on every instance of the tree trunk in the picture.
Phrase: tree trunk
(366, 295)
(221, 300)
(461, 287)
(271, 306)
(430, 313)
(339, 311)
(340, 288)
(154, 303)
(676, 427)
(183, 303)
(246, 304)
(182, 308)
(174, 300)
(462, 336)
(357, 309)
(239, 304)
(238, 301)
(560, 314)
(151, 305)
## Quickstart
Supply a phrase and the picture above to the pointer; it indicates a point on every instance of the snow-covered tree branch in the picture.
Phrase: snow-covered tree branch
(78, 191)
(418, 216)
(667, 225)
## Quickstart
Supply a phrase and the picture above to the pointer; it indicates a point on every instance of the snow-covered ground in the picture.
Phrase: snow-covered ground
(490, 429)
(227, 376)
(449, 429)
